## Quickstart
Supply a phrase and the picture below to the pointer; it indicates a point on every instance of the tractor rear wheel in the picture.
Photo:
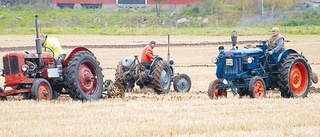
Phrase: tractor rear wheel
(294, 76)
(161, 79)
(214, 92)
(41, 90)
(257, 87)
(182, 83)
(84, 79)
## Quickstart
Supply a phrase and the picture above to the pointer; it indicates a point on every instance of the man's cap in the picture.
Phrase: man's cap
(152, 42)
(275, 29)
(221, 47)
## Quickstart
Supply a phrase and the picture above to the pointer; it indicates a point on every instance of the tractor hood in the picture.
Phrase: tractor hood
(243, 52)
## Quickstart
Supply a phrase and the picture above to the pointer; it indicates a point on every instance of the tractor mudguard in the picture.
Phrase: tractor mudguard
(154, 62)
(73, 52)
(284, 55)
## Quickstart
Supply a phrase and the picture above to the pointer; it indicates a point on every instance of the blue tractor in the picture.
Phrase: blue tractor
(252, 71)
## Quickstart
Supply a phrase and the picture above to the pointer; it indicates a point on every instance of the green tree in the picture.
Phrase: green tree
(158, 7)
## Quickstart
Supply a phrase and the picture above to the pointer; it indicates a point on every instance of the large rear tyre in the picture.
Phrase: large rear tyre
(41, 90)
(84, 79)
(214, 92)
(182, 83)
(257, 87)
(161, 79)
(294, 76)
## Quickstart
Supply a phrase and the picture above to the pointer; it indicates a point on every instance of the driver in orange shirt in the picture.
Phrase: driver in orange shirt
(147, 54)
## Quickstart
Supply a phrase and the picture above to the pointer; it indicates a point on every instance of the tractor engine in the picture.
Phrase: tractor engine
(20, 67)
(238, 64)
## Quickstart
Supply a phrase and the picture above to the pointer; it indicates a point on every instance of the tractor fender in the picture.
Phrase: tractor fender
(74, 51)
(284, 55)
(154, 62)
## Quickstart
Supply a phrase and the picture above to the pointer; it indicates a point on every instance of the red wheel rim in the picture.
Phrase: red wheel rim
(87, 78)
(44, 92)
(216, 92)
(299, 78)
(258, 89)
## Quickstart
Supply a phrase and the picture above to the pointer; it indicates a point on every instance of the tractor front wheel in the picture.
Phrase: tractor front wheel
(294, 76)
(257, 87)
(161, 77)
(84, 79)
(41, 90)
(182, 83)
(2, 97)
(214, 92)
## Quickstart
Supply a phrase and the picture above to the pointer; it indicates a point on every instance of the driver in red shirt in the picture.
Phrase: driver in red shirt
(147, 54)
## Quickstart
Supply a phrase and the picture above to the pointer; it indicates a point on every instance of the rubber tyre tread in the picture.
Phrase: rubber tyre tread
(72, 83)
(284, 75)
(176, 80)
(156, 74)
(252, 82)
(35, 86)
(2, 97)
(212, 84)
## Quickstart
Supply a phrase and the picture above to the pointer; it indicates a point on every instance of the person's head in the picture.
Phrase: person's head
(42, 38)
(248, 46)
(221, 48)
(275, 31)
(152, 43)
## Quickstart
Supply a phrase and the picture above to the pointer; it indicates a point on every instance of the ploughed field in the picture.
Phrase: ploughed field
(144, 113)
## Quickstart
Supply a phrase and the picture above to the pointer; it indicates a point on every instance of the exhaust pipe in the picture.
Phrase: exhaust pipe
(38, 41)
(234, 36)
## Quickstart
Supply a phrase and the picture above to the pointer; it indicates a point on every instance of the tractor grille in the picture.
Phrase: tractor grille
(234, 68)
(10, 65)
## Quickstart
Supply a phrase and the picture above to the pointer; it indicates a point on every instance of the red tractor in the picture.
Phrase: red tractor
(37, 76)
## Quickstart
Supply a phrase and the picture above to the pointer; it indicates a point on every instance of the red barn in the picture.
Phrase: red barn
(117, 3)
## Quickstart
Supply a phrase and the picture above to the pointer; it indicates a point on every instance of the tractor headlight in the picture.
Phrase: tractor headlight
(250, 60)
(1, 72)
(24, 67)
(214, 60)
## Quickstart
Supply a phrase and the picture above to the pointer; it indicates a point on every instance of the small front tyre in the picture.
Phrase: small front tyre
(182, 83)
(214, 92)
(257, 87)
(41, 90)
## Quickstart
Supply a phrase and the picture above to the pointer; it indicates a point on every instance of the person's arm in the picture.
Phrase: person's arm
(279, 45)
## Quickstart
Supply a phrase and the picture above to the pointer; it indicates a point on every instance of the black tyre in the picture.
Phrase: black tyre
(214, 92)
(84, 79)
(161, 77)
(8, 4)
(294, 76)
(41, 90)
(182, 83)
(2, 97)
(56, 89)
(242, 92)
(257, 87)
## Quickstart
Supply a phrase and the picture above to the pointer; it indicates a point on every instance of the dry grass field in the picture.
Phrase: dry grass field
(175, 114)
